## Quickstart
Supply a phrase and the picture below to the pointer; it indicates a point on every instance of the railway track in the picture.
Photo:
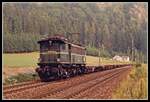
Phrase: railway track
(22, 87)
(81, 93)
(38, 90)
(73, 84)
(80, 87)
(5, 87)
(56, 86)
(12, 90)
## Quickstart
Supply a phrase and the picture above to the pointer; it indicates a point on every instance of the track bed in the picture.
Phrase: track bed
(97, 85)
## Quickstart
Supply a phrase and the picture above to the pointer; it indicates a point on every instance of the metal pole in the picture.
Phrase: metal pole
(99, 54)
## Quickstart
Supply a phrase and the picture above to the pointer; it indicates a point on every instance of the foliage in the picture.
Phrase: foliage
(20, 78)
(92, 51)
(95, 52)
(120, 27)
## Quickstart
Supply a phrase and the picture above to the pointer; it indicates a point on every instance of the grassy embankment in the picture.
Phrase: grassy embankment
(134, 86)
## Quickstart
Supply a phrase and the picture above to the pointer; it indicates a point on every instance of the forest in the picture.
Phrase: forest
(114, 28)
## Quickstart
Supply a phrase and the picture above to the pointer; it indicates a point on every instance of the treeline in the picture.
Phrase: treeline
(114, 27)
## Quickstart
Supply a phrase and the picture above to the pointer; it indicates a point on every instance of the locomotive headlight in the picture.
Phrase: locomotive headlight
(58, 59)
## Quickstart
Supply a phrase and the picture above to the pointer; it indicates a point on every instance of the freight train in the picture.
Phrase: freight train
(60, 58)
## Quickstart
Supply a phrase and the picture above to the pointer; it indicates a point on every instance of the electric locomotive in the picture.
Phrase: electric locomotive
(60, 58)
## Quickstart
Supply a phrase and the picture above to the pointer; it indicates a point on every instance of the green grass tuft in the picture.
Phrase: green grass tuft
(135, 86)
(20, 78)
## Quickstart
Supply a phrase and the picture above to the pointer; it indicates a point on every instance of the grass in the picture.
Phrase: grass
(20, 59)
(20, 78)
(31, 59)
(135, 86)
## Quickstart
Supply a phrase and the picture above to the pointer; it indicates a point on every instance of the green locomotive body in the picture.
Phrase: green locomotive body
(60, 58)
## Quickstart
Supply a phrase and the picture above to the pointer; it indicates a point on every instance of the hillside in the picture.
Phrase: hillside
(115, 27)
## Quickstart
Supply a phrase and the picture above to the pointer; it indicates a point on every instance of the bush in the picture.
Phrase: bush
(95, 52)
(20, 78)
(92, 51)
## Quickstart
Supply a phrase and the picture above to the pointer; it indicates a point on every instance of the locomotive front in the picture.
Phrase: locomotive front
(49, 52)
(60, 58)
(49, 57)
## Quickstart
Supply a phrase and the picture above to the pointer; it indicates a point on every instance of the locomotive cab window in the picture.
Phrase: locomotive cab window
(63, 47)
(49, 45)
(44, 46)
(54, 45)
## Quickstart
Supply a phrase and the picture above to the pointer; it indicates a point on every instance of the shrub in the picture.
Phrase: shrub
(20, 78)
(95, 52)
(92, 51)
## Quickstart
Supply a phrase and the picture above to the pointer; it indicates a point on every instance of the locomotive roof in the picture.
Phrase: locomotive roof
(61, 39)
(53, 38)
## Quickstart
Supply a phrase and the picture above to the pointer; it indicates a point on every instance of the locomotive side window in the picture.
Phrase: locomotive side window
(49, 45)
(63, 46)
(44, 46)
(54, 46)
